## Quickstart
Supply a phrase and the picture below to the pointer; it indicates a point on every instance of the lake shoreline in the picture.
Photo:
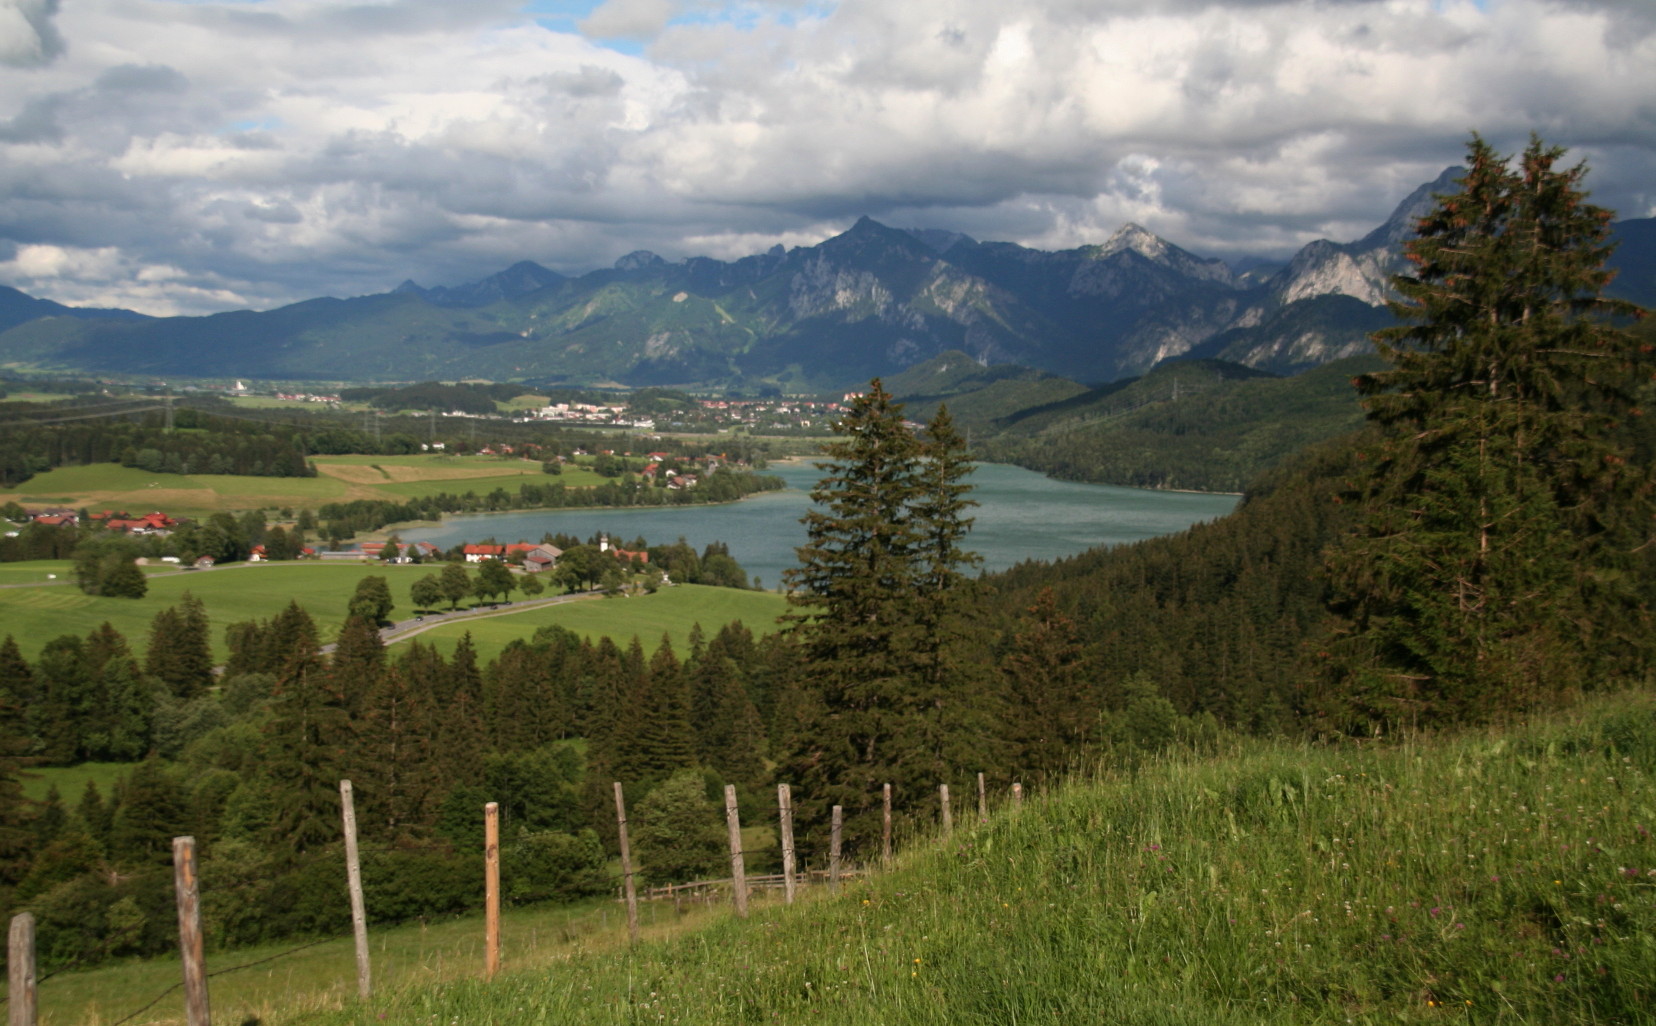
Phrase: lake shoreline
(1023, 515)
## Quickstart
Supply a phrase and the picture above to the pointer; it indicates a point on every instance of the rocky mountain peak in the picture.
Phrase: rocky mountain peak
(638, 260)
(1131, 237)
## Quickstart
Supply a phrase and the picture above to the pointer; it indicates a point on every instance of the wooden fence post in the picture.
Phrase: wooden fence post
(738, 876)
(983, 800)
(626, 866)
(943, 800)
(491, 890)
(353, 879)
(185, 883)
(885, 831)
(20, 963)
(1017, 794)
(784, 806)
(834, 849)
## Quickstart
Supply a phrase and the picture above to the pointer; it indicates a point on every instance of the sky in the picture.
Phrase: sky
(192, 156)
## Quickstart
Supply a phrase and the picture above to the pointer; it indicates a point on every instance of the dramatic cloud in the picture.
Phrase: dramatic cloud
(194, 156)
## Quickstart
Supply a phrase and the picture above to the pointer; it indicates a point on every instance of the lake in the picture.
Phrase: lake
(1023, 515)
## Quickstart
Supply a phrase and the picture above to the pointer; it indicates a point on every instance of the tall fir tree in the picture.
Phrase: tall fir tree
(357, 660)
(394, 769)
(307, 739)
(180, 648)
(873, 612)
(1505, 552)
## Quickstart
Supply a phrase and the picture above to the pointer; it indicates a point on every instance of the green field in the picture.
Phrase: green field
(670, 611)
(258, 591)
(109, 486)
(72, 780)
(37, 571)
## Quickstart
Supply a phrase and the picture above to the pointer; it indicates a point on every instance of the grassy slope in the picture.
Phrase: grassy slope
(240, 592)
(1488, 878)
(230, 593)
(671, 611)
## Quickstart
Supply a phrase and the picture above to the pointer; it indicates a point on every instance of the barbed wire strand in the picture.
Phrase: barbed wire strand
(228, 969)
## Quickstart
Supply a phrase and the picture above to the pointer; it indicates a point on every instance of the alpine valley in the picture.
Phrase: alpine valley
(874, 300)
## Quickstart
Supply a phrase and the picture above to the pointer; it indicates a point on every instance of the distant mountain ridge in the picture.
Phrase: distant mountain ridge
(20, 308)
(873, 300)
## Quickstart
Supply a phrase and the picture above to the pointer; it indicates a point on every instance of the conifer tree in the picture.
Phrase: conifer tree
(18, 689)
(307, 739)
(151, 811)
(395, 772)
(665, 740)
(873, 615)
(1505, 552)
(180, 648)
(16, 843)
(65, 697)
(461, 739)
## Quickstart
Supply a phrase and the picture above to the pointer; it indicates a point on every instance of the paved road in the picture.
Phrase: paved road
(408, 628)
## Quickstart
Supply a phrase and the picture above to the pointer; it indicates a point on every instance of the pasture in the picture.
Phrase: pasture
(670, 611)
(258, 591)
(109, 486)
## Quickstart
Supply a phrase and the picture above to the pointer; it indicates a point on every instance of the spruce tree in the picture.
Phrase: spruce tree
(1504, 554)
(180, 648)
(873, 611)
(395, 771)
(357, 661)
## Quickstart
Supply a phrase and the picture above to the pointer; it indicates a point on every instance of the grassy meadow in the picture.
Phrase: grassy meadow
(324, 975)
(258, 591)
(1500, 876)
(670, 611)
(101, 486)
(71, 781)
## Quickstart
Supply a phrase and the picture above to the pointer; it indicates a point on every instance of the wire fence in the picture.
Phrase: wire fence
(704, 891)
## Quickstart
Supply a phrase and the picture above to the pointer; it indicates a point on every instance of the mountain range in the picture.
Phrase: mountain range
(874, 300)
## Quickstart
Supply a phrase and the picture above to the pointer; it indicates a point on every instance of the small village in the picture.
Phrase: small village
(524, 556)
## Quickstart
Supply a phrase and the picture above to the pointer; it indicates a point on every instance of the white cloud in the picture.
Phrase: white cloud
(290, 148)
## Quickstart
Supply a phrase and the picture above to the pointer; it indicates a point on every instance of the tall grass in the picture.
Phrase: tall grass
(1502, 876)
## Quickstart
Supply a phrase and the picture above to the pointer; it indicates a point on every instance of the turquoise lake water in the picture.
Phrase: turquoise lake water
(1022, 516)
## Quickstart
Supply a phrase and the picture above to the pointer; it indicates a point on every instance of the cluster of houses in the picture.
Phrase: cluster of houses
(150, 523)
(607, 415)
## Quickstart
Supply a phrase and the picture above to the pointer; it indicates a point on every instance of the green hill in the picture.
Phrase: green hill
(978, 396)
(1199, 424)
(1500, 876)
